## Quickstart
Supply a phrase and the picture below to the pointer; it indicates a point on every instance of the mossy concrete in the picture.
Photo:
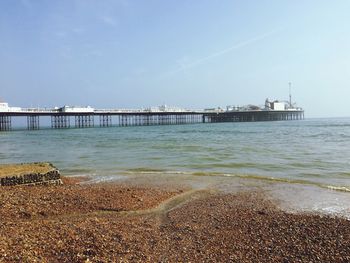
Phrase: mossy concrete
(29, 174)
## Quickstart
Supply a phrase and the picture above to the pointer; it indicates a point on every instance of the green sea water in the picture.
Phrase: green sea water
(315, 151)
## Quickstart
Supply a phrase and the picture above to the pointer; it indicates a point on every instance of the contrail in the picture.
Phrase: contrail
(222, 52)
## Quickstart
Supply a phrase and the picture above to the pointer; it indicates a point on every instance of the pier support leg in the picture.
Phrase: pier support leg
(60, 122)
(5, 123)
(33, 122)
(105, 120)
(122, 121)
(84, 121)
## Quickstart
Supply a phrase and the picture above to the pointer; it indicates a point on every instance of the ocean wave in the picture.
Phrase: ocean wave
(344, 174)
(103, 179)
(338, 188)
(157, 171)
(145, 171)
(289, 181)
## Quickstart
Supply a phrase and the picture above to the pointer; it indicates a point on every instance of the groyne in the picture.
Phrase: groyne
(29, 174)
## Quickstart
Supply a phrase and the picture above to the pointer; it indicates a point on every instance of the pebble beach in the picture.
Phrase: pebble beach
(117, 222)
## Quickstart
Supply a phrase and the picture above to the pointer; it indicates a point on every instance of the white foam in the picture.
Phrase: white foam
(338, 188)
(104, 178)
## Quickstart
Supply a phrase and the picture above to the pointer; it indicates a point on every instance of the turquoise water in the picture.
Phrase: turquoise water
(311, 151)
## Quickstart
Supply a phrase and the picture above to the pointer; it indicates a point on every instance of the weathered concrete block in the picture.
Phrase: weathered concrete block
(29, 174)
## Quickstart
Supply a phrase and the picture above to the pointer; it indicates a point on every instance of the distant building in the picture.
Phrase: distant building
(4, 107)
(233, 108)
(275, 105)
(218, 109)
(278, 106)
(165, 108)
(76, 109)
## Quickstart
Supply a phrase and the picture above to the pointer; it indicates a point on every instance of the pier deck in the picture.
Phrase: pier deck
(107, 118)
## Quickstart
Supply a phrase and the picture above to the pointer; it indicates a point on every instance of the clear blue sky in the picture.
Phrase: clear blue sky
(196, 54)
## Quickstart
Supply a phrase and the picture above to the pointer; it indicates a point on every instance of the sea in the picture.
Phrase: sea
(309, 153)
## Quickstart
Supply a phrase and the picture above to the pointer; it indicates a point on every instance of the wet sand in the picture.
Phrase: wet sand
(128, 223)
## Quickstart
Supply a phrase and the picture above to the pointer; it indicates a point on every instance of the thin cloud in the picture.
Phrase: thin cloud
(27, 3)
(184, 67)
(60, 34)
(78, 30)
(66, 52)
(108, 20)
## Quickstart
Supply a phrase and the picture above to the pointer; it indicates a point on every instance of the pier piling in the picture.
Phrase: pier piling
(60, 122)
(5, 123)
(105, 120)
(84, 121)
(33, 122)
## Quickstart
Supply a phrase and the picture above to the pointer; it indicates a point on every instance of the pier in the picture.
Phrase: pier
(61, 119)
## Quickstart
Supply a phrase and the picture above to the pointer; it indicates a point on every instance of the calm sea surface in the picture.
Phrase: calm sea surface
(311, 151)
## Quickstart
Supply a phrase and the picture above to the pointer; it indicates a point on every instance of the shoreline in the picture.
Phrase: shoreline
(292, 197)
(123, 221)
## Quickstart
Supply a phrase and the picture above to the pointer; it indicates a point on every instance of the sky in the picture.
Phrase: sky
(188, 53)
